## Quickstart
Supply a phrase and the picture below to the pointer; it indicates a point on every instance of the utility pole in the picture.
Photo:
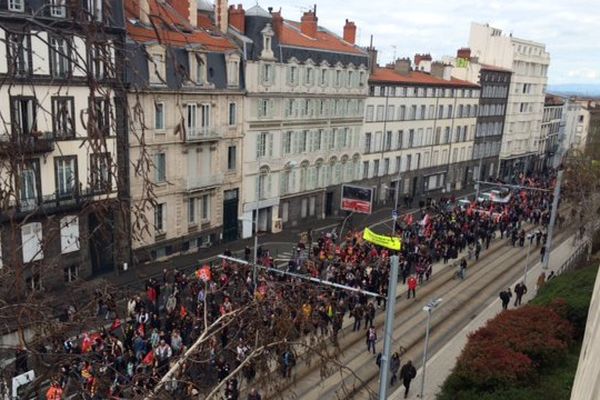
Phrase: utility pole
(428, 309)
(552, 218)
(390, 305)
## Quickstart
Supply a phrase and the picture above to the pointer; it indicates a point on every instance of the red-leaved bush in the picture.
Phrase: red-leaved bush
(513, 345)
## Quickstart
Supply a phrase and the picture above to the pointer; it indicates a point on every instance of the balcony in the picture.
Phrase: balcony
(203, 134)
(56, 202)
(41, 142)
(204, 182)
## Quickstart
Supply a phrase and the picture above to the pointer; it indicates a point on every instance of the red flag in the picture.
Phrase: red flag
(409, 219)
(204, 273)
(141, 330)
(115, 325)
(183, 312)
(86, 343)
(149, 358)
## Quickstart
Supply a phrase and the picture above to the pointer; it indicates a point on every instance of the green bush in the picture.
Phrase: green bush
(570, 294)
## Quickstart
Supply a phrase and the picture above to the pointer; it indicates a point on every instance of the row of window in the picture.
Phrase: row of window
(414, 112)
(160, 164)
(199, 210)
(495, 77)
(413, 91)
(24, 117)
(62, 58)
(309, 76)
(308, 177)
(309, 141)
(303, 108)
(415, 138)
(65, 177)
(410, 162)
(489, 129)
(59, 8)
(530, 69)
(488, 149)
(497, 92)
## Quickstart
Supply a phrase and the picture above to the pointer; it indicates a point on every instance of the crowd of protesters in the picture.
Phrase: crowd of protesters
(131, 356)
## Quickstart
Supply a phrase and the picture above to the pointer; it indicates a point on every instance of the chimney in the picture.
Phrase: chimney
(372, 56)
(463, 52)
(222, 15)
(141, 10)
(188, 9)
(237, 18)
(422, 57)
(350, 32)
(437, 69)
(447, 72)
(402, 66)
(308, 23)
(277, 22)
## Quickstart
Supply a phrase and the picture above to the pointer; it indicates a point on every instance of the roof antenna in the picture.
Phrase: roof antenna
(315, 10)
(371, 45)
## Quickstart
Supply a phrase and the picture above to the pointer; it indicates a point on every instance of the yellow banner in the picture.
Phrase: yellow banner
(381, 240)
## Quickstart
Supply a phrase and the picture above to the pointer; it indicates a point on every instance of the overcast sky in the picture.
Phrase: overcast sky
(569, 28)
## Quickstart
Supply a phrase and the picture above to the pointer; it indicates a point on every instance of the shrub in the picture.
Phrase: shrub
(512, 346)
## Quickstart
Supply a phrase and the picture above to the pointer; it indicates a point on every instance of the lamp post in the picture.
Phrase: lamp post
(390, 305)
(529, 239)
(552, 219)
(428, 309)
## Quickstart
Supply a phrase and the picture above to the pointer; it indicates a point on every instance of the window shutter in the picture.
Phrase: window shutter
(270, 145)
(271, 108)
(259, 138)
(69, 234)
(31, 241)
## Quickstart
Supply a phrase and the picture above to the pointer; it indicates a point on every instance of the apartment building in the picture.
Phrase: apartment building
(529, 63)
(419, 129)
(495, 85)
(306, 90)
(552, 123)
(186, 107)
(61, 73)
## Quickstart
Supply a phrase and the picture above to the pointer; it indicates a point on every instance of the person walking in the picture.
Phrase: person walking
(254, 395)
(520, 290)
(369, 315)
(542, 253)
(357, 313)
(394, 367)
(505, 296)
(371, 338)
(407, 374)
(412, 287)
(463, 268)
(541, 281)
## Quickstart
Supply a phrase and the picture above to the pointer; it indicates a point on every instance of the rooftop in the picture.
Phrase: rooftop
(324, 40)
(389, 75)
(167, 26)
(489, 67)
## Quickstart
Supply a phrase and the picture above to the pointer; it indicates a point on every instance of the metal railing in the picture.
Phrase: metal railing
(203, 133)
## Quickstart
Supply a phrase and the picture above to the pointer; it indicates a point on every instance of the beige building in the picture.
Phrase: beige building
(186, 106)
(419, 129)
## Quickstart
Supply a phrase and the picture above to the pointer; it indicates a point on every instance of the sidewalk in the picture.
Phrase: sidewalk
(440, 364)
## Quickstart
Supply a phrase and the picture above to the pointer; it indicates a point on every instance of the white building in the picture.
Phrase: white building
(186, 108)
(419, 128)
(529, 62)
(306, 89)
(58, 142)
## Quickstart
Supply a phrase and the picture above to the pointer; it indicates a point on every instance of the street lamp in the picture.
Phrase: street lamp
(254, 221)
(428, 309)
(529, 239)
(390, 306)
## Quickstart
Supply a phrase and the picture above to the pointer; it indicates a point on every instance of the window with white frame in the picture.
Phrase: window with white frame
(199, 68)
(157, 65)
(58, 8)
(264, 106)
(361, 78)
(94, 8)
(308, 76)
(232, 115)
(31, 242)
(60, 57)
(160, 217)
(66, 175)
(16, 5)
(159, 116)
(267, 74)
(191, 124)
(263, 144)
(293, 75)
(69, 234)
(323, 77)
(160, 163)
(192, 210)
(100, 59)
(233, 71)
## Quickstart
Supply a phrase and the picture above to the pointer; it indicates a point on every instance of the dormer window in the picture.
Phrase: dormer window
(58, 8)
(157, 65)
(198, 68)
(233, 70)
(267, 34)
(323, 78)
(293, 75)
(308, 76)
(16, 5)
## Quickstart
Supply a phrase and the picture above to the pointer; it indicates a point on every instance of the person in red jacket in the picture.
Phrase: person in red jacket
(412, 286)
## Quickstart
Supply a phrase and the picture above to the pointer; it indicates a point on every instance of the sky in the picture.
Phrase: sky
(569, 28)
